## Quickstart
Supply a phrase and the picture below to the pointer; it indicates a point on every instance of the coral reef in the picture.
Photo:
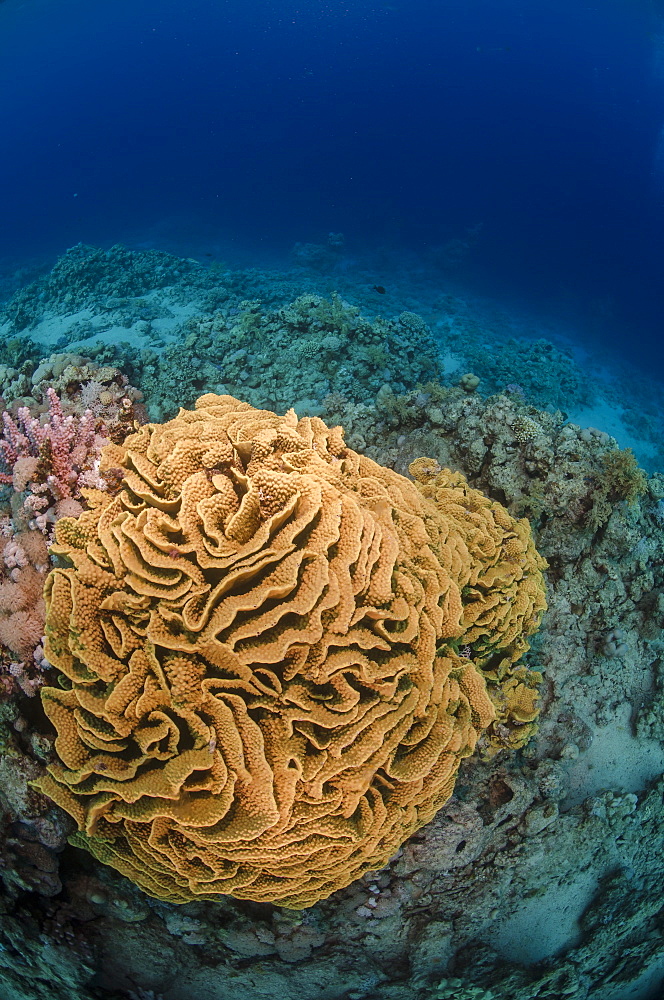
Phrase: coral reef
(540, 878)
(295, 355)
(179, 330)
(259, 636)
(79, 383)
(84, 275)
(547, 375)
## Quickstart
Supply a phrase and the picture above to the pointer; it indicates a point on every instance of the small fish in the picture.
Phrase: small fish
(379, 289)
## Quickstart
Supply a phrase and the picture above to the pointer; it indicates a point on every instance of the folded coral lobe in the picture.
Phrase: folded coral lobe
(258, 640)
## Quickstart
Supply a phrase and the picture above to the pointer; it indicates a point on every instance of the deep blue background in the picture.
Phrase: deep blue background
(398, 123)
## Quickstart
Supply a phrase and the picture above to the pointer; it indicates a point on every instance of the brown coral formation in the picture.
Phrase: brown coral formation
(268, 648)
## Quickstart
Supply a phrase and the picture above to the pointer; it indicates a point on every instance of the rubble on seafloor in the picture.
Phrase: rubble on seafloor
(541, 878)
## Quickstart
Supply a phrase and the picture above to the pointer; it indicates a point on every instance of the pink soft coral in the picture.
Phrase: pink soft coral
(49, 461)
(62, 443)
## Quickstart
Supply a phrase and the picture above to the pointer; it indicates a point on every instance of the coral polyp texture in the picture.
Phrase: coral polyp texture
(272, 653)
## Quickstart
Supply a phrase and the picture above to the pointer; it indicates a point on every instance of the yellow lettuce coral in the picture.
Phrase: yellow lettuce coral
(263, 686)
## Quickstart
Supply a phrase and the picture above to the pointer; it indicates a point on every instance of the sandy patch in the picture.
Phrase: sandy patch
(545, 925)
(608, 417)
(49, 331)
(615, 760)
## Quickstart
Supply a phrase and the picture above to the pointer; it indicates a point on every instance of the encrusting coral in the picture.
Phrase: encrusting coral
(272, 653)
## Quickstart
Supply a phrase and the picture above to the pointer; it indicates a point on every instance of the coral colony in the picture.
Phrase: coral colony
(259, 635)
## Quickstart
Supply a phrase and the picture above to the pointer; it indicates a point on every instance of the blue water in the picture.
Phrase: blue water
(401, 124)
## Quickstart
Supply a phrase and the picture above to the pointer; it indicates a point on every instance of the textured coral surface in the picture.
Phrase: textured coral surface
(272, 653)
